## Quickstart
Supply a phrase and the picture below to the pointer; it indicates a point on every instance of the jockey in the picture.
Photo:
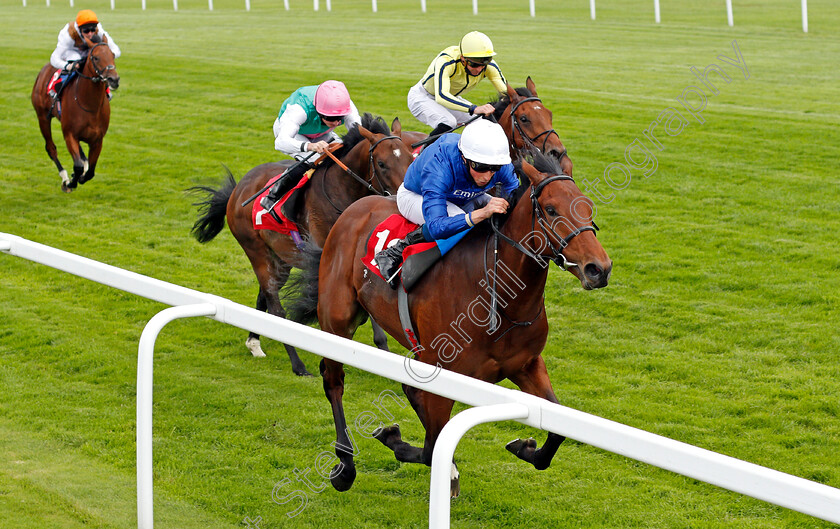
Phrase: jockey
(437, 100)
(445, 188)
(305, 124)
(71, 47)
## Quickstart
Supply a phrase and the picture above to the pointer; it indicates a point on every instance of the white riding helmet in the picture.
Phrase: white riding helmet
(485, 142)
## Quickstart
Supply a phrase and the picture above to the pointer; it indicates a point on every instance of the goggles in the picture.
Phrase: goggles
(478, 62)
(331, 119)
(483, 167)
(88, 29)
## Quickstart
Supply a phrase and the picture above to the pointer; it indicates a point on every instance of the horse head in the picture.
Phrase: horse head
(388, 158)
(560, 223)
(529, 124)
(100, 65)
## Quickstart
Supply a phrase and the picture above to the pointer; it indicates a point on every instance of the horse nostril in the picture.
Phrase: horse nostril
(593, 271)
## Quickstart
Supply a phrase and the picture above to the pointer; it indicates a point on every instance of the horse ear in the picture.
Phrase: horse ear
(368, 135)
(529, 84)
(396, 127)
(512, 94)
(532, 173)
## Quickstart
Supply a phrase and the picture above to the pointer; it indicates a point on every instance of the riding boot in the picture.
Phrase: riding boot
(390, 259)
(442, 128)
(283, 184)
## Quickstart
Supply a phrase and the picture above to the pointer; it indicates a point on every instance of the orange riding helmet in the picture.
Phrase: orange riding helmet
(86, 16)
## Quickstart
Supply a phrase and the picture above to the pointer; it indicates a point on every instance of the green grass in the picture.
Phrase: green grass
(718, 328)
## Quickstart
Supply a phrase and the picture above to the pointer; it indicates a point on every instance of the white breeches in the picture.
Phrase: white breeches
(300, 138)
(410, 205)
(423, 106)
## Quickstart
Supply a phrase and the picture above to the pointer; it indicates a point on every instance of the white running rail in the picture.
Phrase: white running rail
(493, 403)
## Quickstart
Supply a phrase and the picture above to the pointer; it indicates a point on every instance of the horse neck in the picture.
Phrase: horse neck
(342, 188)
(88, 92)
(529, 272)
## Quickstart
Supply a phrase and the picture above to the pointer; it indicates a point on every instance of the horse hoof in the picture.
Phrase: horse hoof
(343, 478)
(253, 345)
(66, 188)
(454, 488)
(522, 448)
(303, 373)
(386, 435)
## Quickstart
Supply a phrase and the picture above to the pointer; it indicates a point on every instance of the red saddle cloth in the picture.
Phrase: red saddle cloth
(386, 234)
(264, 220)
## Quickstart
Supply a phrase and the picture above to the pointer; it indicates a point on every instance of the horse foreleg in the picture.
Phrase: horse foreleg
(78, 164)
(534, 379)
(45, 124)
(343, 474)
(253, 341)
(380, 339)
(89, 163)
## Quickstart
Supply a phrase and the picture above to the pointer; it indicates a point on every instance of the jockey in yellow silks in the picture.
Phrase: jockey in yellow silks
(438, 99)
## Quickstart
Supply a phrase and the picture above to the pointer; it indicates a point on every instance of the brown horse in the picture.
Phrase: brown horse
(532, 128)
(85, 112)
(528, 125)
(552, 222)
(376, 154)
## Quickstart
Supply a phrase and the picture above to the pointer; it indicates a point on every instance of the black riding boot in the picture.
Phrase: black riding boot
(442, 128)
(283, 184)
(390, 259)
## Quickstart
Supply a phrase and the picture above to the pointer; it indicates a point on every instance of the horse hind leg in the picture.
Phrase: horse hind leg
(343, 474)
(275, 308)
(253, 341)
(380, 339)
(45, 124)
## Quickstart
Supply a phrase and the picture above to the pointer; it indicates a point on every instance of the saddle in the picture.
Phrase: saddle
(417, 258)
(281, 218)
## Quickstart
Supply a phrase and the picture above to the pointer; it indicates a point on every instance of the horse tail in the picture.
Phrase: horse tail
(300, 296)
(212, 209)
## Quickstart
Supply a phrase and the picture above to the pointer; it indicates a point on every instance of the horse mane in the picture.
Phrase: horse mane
(375, 124)
(501, 102)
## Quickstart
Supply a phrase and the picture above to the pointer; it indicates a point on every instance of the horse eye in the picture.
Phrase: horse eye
(523, 119)
(381, 164)
(551, 211)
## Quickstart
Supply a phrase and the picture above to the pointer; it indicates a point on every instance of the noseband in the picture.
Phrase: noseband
(539, 215)
(100, 74)
(529, 140)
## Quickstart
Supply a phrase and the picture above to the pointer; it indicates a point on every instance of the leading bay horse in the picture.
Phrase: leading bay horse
(551, 223)
(85, 112)
(377, 155)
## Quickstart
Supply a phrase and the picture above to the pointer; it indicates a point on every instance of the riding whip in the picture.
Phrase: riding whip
(430, 139)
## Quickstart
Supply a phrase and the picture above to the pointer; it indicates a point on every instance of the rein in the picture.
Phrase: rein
(358, 178)
(539, 215)
(99, 78)
(531, 141)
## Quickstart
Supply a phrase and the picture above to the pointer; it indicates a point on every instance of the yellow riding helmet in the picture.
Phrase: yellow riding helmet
(476, 44)
(86, 16)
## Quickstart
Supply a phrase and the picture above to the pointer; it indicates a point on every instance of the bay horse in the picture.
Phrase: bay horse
(527, 124)
(552, 223)
(372, 151)
(85, 112)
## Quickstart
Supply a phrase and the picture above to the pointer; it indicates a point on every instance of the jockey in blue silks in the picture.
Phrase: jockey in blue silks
(445, 189)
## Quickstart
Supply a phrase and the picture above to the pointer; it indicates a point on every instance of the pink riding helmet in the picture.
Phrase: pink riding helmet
(332, 99)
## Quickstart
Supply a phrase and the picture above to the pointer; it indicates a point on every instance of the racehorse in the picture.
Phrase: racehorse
(553, 222)
(377, 155)
(531, 129)
(85, 112)
(528, 125)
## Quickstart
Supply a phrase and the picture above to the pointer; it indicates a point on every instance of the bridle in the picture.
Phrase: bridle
(99, 78)
(540, 218)
(367, 184)
(100, 74)
(525, 137)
